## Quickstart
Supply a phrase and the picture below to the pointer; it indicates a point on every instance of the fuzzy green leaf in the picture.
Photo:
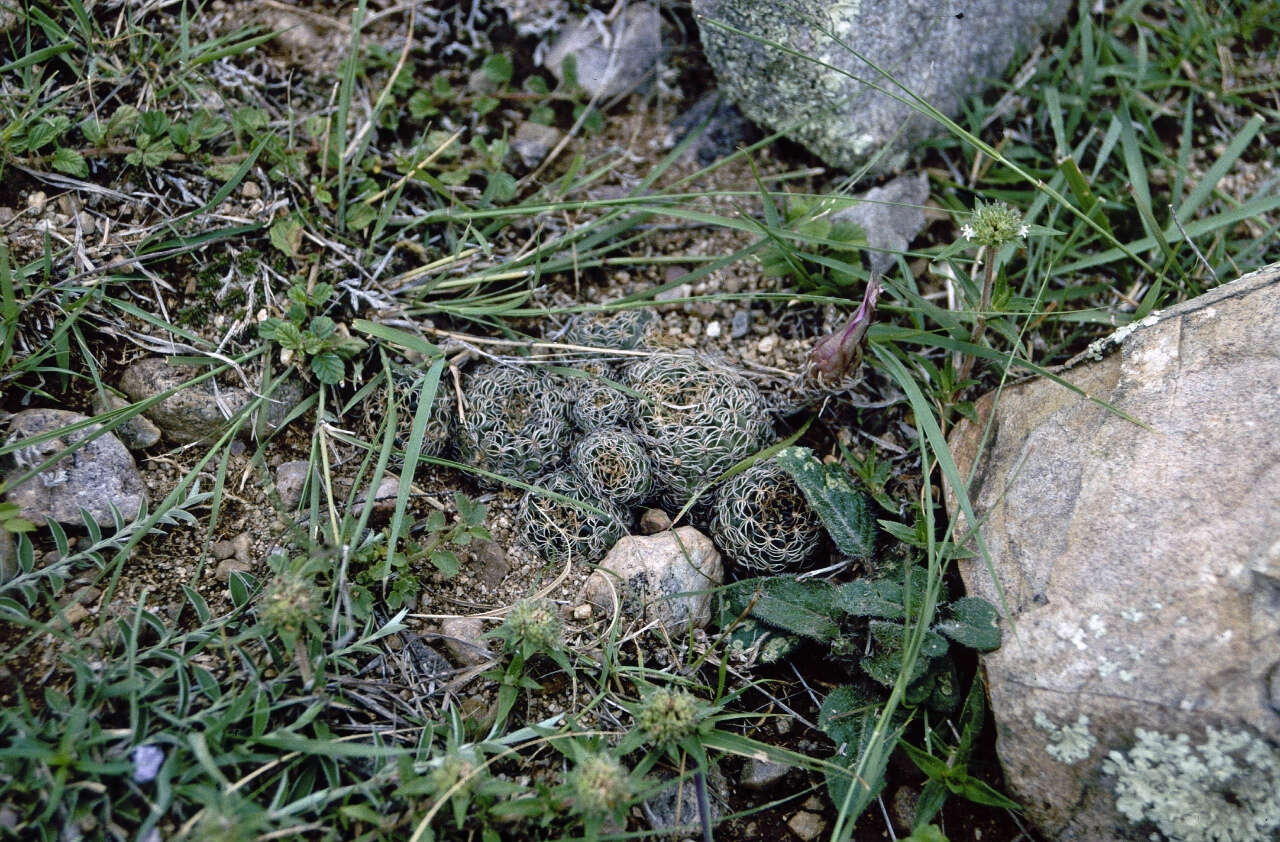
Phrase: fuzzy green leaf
(849, 718)
(888, 640)
(843, 509)
(498, 68)
(972, 622)
(805, 608)
(288, 336)
(328, 368)
(70, 162)
(446, 562)
(872, 598)
(360, 216)
(847, 715)
(286, 235)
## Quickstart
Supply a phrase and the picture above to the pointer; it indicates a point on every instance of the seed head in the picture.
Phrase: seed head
(533, 622)
(287, 603)
(667, 715)
(599, 784)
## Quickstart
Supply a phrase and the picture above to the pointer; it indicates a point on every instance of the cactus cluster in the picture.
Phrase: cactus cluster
(516, 422)
(697, 418)
(762, 521)
(664, 426)
(561, 531)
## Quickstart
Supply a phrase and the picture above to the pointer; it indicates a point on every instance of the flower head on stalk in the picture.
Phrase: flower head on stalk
(840, 353)
(993, 224)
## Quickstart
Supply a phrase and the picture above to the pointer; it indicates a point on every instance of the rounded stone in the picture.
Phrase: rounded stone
(97, 476)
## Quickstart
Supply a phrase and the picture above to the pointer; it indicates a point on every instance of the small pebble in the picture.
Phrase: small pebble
(806, 825)
(766, 345)
(228, 566)
(741, 324)
(37, 200)
(250, 190)
(582, 612)
(654, 521)
(712, 330)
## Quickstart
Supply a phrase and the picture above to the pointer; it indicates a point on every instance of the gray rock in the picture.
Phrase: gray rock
(534, 141)
(929, 47)
(721, 126)
(612, 57)
(97, 476)
(676, 806)
(462, 638)
(199, 412)
(137, 433)
(806, 825)
(384, 498)
(891, 216)
(228, 566)
(291, 477)
(1141, 566)
(645, 572)
(222, 549)
(760, 775)
(741, 324)
(653, 521)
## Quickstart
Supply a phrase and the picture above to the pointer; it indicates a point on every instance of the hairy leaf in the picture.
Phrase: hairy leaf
(972, 622)
(806, 608)
(843, 509)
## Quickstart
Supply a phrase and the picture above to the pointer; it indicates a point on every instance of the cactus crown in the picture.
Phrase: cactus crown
(406, 387)
(516, 422)
(623, 329)
(612, 465)
(597, 405)
(698, 419)
(762, 521)
(560, 531)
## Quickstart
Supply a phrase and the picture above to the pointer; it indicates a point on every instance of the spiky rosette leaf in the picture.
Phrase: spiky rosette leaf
(621, 329)
(698, 418)
(763, 522)
(516, 422)
(613, 465)
(560, 531)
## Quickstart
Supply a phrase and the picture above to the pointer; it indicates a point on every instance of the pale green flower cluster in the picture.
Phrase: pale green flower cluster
(994, 224)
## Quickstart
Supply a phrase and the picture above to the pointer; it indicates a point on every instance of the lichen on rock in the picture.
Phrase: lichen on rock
(1226, 789)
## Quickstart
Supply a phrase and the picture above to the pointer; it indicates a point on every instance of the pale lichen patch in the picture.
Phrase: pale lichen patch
(1226, 789)
(1067, 743)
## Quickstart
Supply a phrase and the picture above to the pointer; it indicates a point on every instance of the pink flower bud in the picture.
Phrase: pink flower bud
(839, 354)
